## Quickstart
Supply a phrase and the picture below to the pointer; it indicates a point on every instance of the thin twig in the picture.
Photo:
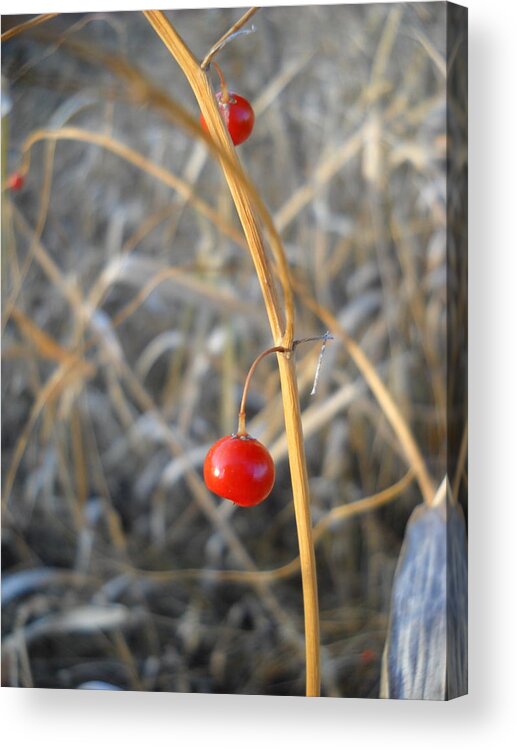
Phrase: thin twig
(225, 37)
(27, 25)
(272, 349)
(242, 411)
(139, 161)
(320, 360)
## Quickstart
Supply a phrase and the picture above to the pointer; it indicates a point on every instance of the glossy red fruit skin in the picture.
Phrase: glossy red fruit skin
(240, 469)
(238, 116)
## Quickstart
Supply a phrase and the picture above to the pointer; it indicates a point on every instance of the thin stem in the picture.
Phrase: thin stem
(326, 337)
(242, 411)
(10, 33)
(222, 41)
(224, 88)
(132, 157)
(282, 332)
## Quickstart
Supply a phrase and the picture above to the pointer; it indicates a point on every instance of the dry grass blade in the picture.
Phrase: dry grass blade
(222, 41)
(42, 218)
(80, 620)
(383, 396)
(139, 161)
(333, 518)
(44, 344)
(65, 375)
(20, 28)
(179, 276)
(322, 174)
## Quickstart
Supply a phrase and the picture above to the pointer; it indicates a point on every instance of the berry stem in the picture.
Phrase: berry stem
(272, 349)
(242, 411)
(225, 97)
(226, 37)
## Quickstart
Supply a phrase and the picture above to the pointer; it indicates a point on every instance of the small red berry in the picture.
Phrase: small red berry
(239, 468)
(15, 181)
(237, 114)
(367, 656)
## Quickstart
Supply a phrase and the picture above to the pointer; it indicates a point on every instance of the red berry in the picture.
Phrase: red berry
(240, 469)
(367, 656)
(237, 114)
(15, 181)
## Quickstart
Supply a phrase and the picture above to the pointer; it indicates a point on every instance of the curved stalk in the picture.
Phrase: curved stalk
(241, 430)
(282, 331)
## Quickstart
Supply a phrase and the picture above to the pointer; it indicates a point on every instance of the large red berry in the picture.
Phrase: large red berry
(237, 114)
(239, 468)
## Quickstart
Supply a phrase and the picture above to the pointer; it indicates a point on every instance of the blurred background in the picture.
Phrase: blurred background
(131, 314)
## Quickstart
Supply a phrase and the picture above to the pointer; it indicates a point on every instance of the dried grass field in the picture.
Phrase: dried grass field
(132, 312)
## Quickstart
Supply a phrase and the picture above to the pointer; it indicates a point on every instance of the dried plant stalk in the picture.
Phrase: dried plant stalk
(339, 513)
(136, 159)
(222, 41)
(282, 330)
(6, 35)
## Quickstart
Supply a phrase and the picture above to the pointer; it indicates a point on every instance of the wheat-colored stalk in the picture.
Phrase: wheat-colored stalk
(31, 23)
(226, 37)
(281, 323)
